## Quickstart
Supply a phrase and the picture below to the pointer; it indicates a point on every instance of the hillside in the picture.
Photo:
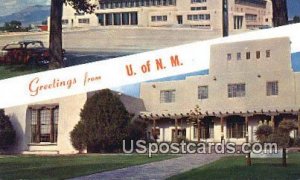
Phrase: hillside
(30, 15)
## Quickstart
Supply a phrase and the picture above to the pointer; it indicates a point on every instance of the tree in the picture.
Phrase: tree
(13, 26)
(105, 121)
(7, 132)
(55, 40)
(263, 132)
(280, 12)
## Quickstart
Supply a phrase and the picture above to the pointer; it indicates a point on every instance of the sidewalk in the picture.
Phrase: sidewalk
(157, 170)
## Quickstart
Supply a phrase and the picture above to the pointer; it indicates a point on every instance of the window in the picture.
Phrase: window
(181, 133)
(272, 88)
(198, 8)
(159, 18)
(198, 17)
(203, 92)
(84, 21)
(268, 53)
(238, 56)
(248, 55)
(228, 57)
(197, 1)
(236, 90)
(64, 21)
(206, 130)
(257, 54)
(236, 128)
(44, 124)
(167, 96)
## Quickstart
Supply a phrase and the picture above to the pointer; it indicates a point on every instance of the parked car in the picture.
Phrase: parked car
(25, 52)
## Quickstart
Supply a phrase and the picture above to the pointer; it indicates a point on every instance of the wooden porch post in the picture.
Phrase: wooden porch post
(176, 129)
(222, 128)
(199, 129)
(248, 161)
(298, 124)
(154, 129)
(272, 122)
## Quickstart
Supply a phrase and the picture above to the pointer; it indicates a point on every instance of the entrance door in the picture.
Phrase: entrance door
(179, 20)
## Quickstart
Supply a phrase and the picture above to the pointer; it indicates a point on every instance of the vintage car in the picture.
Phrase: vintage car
(25, 52)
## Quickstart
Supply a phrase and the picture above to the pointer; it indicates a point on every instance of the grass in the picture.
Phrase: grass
(62, 167)
(8, 71)
(235, 168)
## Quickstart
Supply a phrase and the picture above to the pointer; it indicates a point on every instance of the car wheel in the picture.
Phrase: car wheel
(32, 62)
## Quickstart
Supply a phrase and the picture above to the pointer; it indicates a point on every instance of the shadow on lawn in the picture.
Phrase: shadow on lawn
(23, 68)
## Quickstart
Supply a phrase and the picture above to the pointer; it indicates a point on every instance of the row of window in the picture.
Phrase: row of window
(84, 21)
(137, 3)
(234, 90)
(198, 17)
(248, 55)
(197, 1)
(159, 18)
(199, 8)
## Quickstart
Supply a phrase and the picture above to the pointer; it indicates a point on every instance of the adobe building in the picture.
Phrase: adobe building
(44, 128)
(249, 83)
(203, 14)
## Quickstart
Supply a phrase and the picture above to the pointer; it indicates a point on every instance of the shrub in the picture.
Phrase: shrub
(7, 132)
(286, 126)
(263, 132)
(106, 123)
(78, 138)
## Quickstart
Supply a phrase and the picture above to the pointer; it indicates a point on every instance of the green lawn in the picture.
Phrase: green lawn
(61, 167)
(8, 71)
(235, 168)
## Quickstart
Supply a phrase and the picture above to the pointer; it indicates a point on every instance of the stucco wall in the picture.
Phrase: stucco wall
(69, 111)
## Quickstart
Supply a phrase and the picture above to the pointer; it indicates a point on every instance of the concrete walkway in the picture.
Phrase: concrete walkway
(157, 170)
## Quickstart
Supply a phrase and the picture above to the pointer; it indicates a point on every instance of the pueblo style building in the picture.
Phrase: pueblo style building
(204, 14)
(249, 83)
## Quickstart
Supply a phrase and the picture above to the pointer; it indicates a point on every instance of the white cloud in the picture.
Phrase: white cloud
(11, 6)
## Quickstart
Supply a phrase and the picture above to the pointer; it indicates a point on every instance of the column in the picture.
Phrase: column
(154, 129)
(298, 124)
(222, 128)
(248, 161)
(104, 19)
(272, 123)
(176, 129)
(129, 18)
(199, 129)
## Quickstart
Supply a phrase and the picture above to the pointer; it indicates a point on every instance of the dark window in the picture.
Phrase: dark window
(44, 124)
(167, 96)
(268, 53)
(257, 54)
(236, 128)
(272, 88)
(248, 55)
(203, 92)
(236, 90)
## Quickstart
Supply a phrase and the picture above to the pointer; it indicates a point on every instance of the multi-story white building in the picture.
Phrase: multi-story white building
(249, 83)
(243, 14)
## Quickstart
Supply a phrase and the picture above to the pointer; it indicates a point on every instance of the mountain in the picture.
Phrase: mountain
(30, 15)
(293, 8)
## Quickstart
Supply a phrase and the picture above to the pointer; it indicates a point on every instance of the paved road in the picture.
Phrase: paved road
(157, 170)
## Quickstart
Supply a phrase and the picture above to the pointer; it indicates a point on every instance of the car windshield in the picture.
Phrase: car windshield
(12, 46)
(33, 45)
